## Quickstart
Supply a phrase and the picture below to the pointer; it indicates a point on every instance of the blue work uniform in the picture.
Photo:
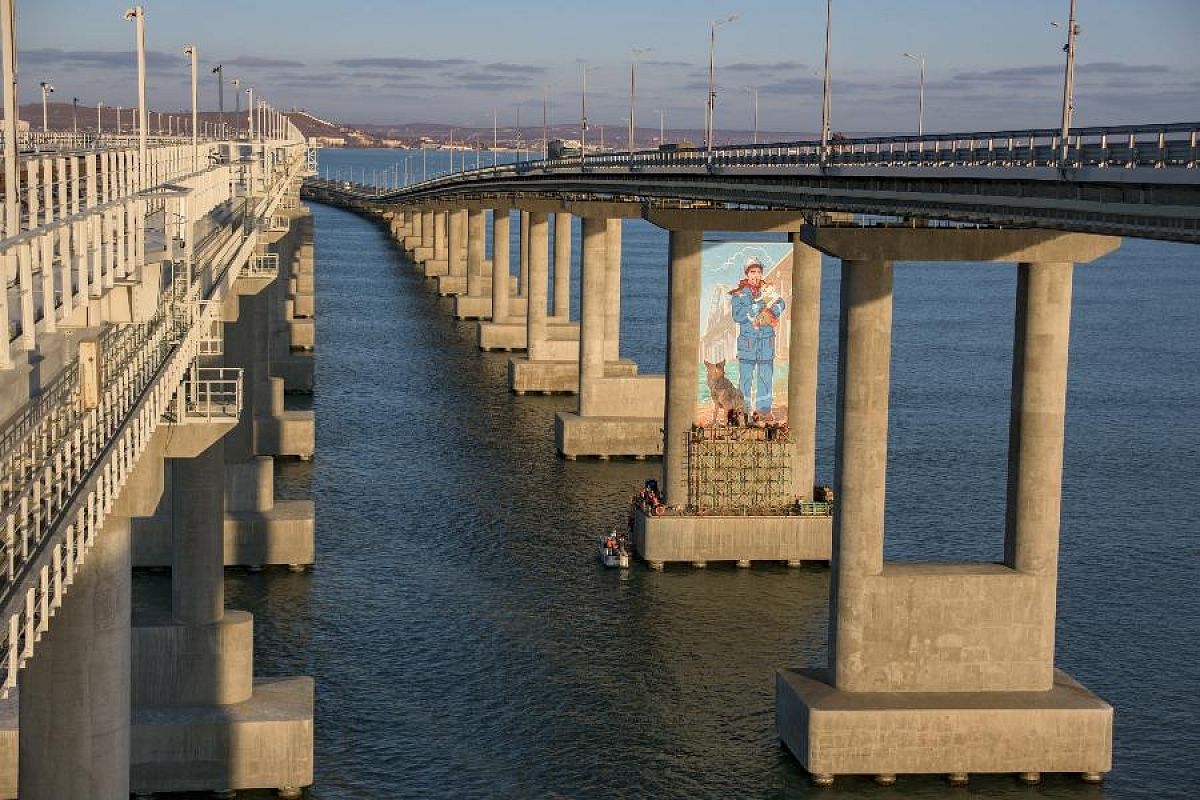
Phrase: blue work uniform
(755, 348)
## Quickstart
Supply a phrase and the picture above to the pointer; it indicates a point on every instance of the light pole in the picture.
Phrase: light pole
(47, 89)
(99, 105)
(754, 91)
(219, 71)
(583, 122)
(75, 115)
(711, 106)
(237, 103)
(1068, 108)
(138, 14)
(545, 123)
(662, 125)
(637, 51)
(920, 59)
(250, 113)
(190, 50)
(12, 204)
(825, 100)
(118, 120)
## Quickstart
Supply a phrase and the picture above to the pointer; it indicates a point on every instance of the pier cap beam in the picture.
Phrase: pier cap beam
(543, 205)
(603, 209)
(958, 244)
(725, 219)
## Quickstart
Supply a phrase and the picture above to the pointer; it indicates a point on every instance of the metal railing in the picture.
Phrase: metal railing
(1155, 146)
(62, 464)
(209, 394)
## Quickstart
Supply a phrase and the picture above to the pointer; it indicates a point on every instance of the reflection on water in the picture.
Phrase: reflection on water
(465, 641)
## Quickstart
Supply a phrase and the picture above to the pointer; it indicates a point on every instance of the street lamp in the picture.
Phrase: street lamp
(583, 120)
(754, 91)
(1068, 108)
(237, 104)
(75, 115)
(138, 15)
(825, 99)
(637, 51)
(46, 90)
(219, 71)
(118, 120)
(920, 59)
(99, 105)
(711, 106)
(662, 125)
(190, 50)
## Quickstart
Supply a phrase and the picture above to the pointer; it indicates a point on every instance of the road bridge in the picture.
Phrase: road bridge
(154, 302)
(932, 667)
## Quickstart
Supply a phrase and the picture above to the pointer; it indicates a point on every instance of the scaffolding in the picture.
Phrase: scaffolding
(740, 470)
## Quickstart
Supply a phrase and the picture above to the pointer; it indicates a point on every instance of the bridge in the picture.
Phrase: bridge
(933, 667)
(158, 305)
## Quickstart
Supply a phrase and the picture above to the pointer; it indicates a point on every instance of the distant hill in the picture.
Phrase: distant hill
(334, 133)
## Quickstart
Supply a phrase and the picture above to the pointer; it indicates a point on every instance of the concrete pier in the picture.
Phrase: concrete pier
(963, 679)
(618, 414)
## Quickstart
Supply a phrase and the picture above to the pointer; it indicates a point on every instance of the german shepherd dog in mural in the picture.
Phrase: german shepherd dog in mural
(725, 396)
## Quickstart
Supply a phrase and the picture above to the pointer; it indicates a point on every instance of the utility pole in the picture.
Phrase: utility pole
(1068, 85)
(190, 50)
(825, 101)
(12, 204)
(138, 14)
(219, 70)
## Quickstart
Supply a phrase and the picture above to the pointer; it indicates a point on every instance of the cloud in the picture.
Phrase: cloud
(255, 61)
(1044, 71)
(484, 77)
(404, 63)
(778, 66)
(514, 69)
(53, 56)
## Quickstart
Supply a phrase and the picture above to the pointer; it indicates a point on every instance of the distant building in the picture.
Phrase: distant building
(330, 141)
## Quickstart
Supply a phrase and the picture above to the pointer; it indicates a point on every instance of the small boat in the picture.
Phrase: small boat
(613, 551)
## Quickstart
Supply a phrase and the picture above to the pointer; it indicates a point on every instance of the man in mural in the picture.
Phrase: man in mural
(756, 307)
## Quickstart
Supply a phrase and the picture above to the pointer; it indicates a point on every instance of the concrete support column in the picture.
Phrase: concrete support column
(804, 341)
(539, 280)
(439, 235)
(1038, 416)
(592, 297)
(456, 242)
(562, 265)
(427, 229)
(501, 230)
(198, 520)
(612, 308)
(683, 349)
(74, 696)
(475, 246)
(864, 374)
(523, 269)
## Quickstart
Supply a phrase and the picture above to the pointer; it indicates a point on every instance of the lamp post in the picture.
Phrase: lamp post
(920, 59)
(545, 123)
(75, 115)
(190, 50)
(99, 105)
(250, 113)
(583, 120)
(662, 125)
(12, 204)
(711, 106)
(118, 120)
(138, 15)
(47, 89)
(825, 89)
(1068, 107)
(237, 103)
(754, 91)
(219, 71)
(637, 51)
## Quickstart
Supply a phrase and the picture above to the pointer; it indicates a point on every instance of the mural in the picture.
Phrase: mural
(745, 302)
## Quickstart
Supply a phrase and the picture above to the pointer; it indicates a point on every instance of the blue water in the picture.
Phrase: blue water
(466, 644)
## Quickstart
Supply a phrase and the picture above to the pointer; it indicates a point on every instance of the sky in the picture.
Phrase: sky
(991, 65)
